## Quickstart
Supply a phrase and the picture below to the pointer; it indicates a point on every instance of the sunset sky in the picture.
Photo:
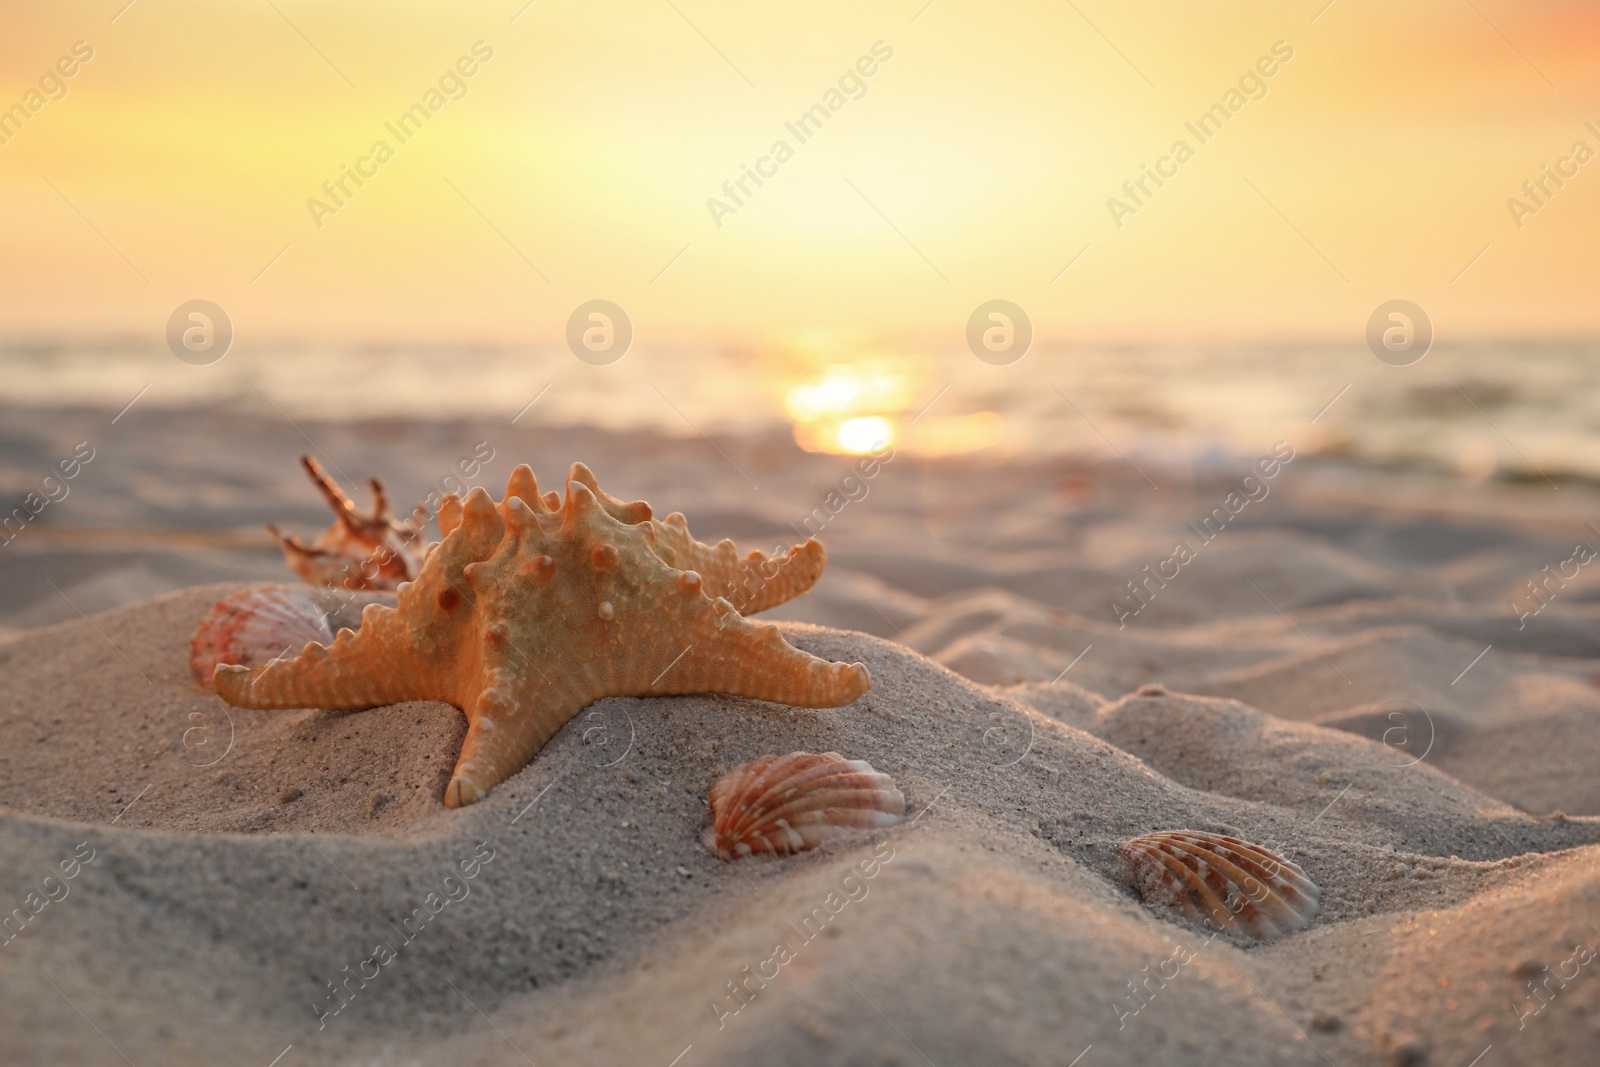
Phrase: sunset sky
(976, 163)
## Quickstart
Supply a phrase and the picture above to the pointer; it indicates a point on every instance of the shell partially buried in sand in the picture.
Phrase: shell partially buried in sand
(253, 627)
(787, 804)
(1216, 881)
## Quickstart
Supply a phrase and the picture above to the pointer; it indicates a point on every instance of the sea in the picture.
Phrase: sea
(1511, 409)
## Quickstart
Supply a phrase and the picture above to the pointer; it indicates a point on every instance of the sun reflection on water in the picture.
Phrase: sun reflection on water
(849, 408)
(870, 433)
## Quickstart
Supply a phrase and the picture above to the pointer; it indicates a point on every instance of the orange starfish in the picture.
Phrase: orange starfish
(524, 615)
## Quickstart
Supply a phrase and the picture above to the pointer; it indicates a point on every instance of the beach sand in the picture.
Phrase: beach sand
(1338, 674)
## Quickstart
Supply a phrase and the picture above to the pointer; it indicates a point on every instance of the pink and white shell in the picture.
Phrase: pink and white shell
(1221, 882)
(787, 804)
(253, 627)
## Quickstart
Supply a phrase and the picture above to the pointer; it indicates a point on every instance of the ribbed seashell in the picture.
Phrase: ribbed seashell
(1213, 880)
(787, 804)
(254, 627)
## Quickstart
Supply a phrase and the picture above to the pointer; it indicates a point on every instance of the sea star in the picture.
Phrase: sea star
(524, 615)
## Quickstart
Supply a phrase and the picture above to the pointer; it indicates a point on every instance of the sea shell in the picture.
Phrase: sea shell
(361, 550)
(1213, 880)
(254, 626)
(522, 617)
(787, 804)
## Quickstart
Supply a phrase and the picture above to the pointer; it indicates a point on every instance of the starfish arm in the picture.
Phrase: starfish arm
(726, 653)
(361, 669)
(510, 719)
(752, 583)
(780, 579)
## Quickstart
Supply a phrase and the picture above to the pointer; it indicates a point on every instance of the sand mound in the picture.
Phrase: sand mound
(1519, 729)
(579, 910)
(106, 719)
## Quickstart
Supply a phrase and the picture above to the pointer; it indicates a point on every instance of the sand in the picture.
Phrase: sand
(1315, 681)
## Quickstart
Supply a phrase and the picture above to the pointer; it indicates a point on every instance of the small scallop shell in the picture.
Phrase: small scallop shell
(1217, 881)
(253, 627)
(787, 804)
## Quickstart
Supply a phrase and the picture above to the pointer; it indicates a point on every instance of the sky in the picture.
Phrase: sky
(979, 159)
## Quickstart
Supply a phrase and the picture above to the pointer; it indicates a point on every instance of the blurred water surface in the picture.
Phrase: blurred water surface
(1521, 409)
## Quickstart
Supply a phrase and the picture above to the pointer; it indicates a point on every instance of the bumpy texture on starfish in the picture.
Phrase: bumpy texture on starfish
(359, 551)
(523, 616)
(751, 583)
